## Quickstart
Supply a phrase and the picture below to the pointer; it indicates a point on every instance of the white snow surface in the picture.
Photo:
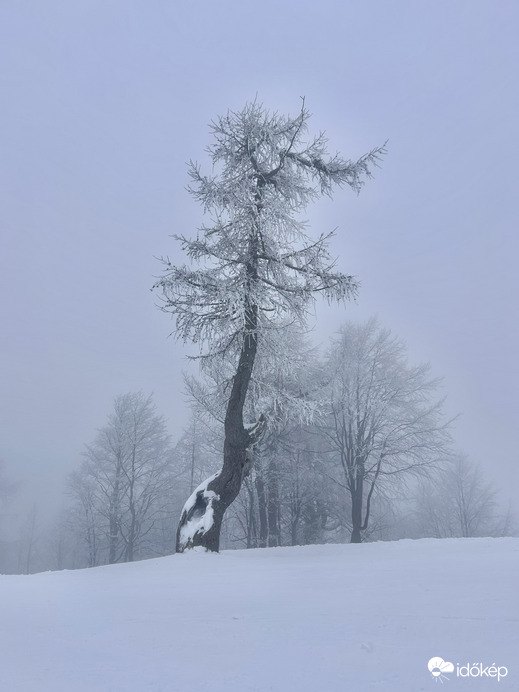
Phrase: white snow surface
(323, 618)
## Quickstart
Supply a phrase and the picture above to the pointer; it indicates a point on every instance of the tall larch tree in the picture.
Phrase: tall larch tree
(254, 270)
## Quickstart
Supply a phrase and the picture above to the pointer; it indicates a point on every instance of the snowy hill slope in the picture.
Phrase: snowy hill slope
(332, 618)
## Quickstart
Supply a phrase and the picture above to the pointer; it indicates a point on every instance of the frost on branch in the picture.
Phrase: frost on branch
(254, 254)
(197, 514)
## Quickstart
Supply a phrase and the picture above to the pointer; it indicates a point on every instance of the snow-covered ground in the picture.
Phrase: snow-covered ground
(333, 618)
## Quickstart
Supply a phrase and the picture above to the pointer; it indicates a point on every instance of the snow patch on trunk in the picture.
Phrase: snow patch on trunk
(198, 513)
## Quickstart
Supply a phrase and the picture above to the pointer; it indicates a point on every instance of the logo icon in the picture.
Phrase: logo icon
(438, 667)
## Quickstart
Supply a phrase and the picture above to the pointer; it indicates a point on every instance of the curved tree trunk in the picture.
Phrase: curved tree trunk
(201, 520)
(356, 511)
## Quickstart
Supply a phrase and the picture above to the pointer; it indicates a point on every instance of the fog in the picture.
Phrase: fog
(104, 103)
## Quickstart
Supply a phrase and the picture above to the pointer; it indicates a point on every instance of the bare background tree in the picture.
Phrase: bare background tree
(459, 502)
(122, 490)
(29, 543)
(383, 420)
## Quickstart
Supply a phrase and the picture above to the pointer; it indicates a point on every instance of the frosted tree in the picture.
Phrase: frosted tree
(256, 271)
(459, 502)
(384, 422)
(8, 490)
(121, 491)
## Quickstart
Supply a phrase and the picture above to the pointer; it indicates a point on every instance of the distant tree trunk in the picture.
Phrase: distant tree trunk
(262, 511)
(28, 540)
(114, 513)
(192, 478)
(132, 528)
(251, 528)
(91, 540)
(296, 504)
(130, 546)
(356, 510)
(274, 537)
(295, 513)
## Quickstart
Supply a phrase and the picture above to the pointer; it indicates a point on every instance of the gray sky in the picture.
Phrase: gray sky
(103, 103)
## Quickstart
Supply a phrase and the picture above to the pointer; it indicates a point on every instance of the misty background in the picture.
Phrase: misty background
(103, 103)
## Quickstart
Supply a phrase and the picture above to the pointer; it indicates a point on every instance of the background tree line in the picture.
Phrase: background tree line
(356, 447)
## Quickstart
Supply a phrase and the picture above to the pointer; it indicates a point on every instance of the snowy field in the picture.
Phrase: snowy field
(310, 619)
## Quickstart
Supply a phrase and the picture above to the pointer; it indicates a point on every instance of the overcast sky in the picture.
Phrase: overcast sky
(102, 105)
